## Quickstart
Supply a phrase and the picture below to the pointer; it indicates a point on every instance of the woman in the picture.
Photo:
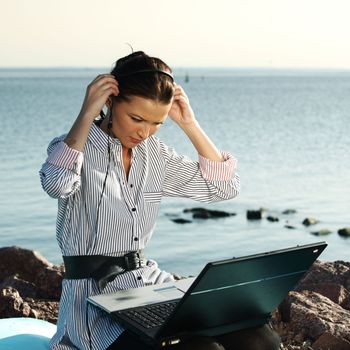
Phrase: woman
(109, 175)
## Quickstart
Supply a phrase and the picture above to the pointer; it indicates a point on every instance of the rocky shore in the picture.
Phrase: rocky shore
(30, 285)
(314, 316)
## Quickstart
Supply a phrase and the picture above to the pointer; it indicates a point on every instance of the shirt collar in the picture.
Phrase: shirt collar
(99, 140)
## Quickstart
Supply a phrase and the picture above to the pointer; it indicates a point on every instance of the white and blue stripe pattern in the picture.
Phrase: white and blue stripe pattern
(127, 216)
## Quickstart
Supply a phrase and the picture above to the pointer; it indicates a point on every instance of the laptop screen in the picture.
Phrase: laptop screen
(243, 290)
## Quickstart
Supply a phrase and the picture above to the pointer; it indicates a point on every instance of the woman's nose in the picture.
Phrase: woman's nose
(144, 132)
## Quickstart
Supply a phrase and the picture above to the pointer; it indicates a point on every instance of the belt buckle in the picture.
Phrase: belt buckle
(132, 261)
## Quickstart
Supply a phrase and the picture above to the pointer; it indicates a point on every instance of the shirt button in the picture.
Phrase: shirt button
(133, 209)
(131, 185)
(139, 278)
(136, 239)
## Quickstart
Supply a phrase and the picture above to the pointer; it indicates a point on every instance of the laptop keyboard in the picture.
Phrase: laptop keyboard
(151, 315)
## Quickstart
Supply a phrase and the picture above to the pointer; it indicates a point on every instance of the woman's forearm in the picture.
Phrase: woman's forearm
(78, 134)
(201, 141)
(97, 94)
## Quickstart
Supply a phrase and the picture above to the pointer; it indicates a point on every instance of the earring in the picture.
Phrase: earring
(109, 116)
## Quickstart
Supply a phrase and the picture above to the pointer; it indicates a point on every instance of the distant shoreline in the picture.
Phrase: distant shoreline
(199, 71)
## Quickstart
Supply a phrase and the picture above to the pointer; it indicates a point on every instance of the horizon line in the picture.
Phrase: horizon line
(192, 67)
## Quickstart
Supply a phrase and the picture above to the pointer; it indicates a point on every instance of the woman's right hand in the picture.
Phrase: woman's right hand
(97, 94)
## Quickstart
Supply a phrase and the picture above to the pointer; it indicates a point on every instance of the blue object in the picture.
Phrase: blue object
(25, 333)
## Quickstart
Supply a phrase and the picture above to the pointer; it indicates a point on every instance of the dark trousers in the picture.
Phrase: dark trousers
(260, 338)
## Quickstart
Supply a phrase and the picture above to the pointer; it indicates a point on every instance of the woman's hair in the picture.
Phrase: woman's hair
(141, 75)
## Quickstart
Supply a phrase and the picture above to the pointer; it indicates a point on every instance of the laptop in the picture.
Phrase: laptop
(227, 295)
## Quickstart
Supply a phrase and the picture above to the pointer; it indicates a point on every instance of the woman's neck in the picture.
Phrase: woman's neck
(104, 127)
(126, 152)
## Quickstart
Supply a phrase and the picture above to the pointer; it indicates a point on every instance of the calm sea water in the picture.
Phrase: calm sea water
(290, 131)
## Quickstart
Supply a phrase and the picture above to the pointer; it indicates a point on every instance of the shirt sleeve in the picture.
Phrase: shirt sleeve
(218, 171)
(204, 181)
(65, 157)
(60, 174)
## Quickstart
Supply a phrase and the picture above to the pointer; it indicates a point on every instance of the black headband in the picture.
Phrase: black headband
(146, 71)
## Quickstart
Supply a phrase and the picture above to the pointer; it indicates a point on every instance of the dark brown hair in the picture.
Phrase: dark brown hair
(137, 76)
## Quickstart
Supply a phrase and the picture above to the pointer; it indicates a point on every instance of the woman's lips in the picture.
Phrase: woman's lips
(135, 140)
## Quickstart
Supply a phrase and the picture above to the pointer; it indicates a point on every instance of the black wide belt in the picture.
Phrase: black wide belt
(102, 268)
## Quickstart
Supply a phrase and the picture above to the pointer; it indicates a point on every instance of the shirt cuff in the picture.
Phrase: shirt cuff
(218, 171)
(65, 157)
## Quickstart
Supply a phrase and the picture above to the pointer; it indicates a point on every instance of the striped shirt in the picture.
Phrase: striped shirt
(123, 222)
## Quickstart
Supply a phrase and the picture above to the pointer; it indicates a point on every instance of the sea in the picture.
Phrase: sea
(288, 128)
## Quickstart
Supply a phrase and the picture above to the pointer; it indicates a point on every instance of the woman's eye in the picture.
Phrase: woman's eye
(136, 120)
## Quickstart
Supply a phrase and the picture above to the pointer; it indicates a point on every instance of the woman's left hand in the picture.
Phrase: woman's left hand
(181, 111)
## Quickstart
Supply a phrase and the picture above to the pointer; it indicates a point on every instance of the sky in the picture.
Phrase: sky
(184, 33)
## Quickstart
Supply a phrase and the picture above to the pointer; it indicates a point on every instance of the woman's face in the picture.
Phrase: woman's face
(135, 120)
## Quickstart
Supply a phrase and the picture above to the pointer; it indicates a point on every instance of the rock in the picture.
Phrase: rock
(255, 214)
(44, 309)
(203, 213)
(24, 288)
(333, 291)
(290, 227)
(32, 267)
(331, 279)
(181, 221)
(326, 272)
(322, 232)
(26, 263)
(328, 341)
(311, 314)
(34, 313)
(309, 221)
(48, 282)
(289, 211)
(344, 232)
(317, 311)
(30, 286)
(12, 305)
(272, 218)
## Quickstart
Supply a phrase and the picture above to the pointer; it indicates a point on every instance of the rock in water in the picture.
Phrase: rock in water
(309, 221)
(272, 218)
(344, 232)
(255, 214)
(181, 221)
(322, 232)
(203, 213)
(290, 227)
(289, 211)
